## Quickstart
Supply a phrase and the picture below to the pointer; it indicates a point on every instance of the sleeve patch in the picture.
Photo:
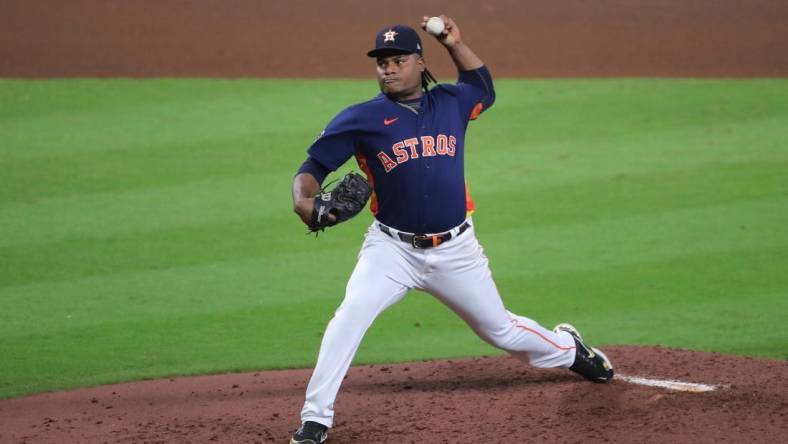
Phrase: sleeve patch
(476, 111)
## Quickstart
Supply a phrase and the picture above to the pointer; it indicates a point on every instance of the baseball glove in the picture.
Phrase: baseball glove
(346, 200)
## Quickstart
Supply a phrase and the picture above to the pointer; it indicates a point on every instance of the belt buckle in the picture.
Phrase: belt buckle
(417, 237)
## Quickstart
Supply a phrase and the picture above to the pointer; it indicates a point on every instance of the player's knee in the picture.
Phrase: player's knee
(355, 311)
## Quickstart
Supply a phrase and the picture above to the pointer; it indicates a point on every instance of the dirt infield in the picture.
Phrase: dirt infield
(473, 401)
(302, 38)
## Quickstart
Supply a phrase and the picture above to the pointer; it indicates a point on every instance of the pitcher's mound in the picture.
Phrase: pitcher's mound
(482, 400)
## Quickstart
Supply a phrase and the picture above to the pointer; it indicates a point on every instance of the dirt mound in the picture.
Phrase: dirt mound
(473, 400)
(253, 38)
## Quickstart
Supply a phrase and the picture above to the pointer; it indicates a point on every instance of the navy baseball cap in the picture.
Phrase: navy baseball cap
(396, 39)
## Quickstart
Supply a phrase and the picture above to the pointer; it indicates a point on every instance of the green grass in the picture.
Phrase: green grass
(147, 226)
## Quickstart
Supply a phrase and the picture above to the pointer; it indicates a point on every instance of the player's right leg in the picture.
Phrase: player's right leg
(462, 280)
(380, 279)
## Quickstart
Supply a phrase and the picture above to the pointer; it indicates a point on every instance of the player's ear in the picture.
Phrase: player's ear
(422, 65)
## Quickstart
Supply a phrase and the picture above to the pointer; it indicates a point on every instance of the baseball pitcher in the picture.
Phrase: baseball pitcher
(409, 141)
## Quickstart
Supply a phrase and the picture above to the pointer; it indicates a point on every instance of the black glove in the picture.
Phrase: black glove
(346, 200)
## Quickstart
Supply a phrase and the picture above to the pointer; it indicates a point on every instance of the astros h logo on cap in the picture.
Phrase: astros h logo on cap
(389, 35)
(396, 39)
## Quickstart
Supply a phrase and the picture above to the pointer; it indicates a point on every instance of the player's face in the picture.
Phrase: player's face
(399, 76)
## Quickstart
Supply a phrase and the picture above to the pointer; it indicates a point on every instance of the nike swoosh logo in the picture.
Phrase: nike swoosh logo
(388, 122)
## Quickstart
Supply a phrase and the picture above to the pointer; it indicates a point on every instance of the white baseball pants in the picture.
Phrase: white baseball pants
(455, 272)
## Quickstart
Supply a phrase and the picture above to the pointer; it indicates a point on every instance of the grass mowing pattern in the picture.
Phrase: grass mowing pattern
(147, 226)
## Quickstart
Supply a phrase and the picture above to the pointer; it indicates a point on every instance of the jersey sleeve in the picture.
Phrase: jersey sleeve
(336, 144)
(475, 91)
(315, 168)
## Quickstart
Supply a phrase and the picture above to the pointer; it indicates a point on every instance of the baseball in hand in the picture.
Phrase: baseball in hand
(435, 26)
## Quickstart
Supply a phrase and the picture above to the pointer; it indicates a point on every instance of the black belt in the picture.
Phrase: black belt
(423, 240)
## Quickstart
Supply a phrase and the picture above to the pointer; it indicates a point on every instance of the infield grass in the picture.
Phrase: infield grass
(147, 227)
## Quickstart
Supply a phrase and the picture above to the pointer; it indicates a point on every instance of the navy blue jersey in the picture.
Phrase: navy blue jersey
(413, 160)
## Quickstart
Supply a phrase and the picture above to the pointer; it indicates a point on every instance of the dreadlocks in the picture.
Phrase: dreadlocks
(426, 79)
